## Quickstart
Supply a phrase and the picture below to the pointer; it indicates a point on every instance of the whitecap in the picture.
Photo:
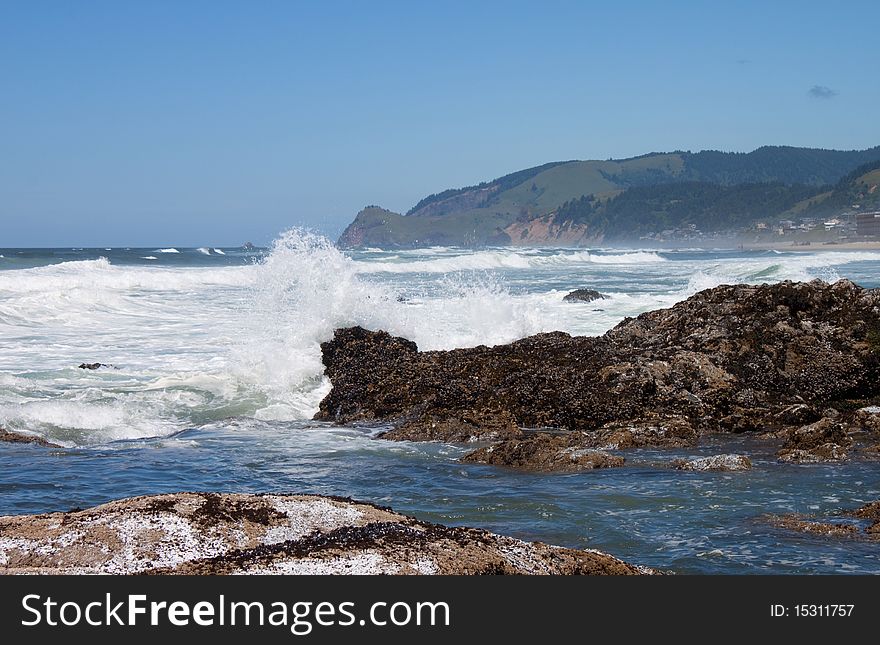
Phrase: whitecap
(168, 250)
(487, 260)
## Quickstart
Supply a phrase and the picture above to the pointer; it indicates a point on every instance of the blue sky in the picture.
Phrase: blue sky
(211, 123)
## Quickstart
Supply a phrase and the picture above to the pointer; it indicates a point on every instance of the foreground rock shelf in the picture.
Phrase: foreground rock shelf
(795, 362)
(208, 533)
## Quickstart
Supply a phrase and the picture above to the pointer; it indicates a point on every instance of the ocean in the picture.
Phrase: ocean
(216, 372)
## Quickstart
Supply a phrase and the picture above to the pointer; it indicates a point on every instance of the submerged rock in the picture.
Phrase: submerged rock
(715, 462)
(15, 437)
(93, 366)
(584, 295)
(545, 452)
(804, 525)
(734, 358)
(467, 426)
(208, 533)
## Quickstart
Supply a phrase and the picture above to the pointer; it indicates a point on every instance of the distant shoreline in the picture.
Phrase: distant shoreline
(790, 246)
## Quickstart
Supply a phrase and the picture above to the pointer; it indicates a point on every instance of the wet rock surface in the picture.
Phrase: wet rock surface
(15, 437)
(545, 452)
(802, 524)
(868, 419)
(93, 366)
(670, 432)
(723, 463)
(869, 514)
(824, 440)
(793, 361)
(208, 533)
(464, 427)
(584, 295)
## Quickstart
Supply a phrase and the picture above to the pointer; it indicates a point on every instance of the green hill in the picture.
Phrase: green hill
(628, 197)
(859, 188)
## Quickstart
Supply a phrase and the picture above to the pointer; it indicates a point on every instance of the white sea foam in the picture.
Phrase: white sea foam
(194, 344)
(502, 259)
(219, 251)
(149, 257)
(204, 250)
(169, 250)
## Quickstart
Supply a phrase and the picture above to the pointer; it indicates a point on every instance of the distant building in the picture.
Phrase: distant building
(833, 223)
(868, 224)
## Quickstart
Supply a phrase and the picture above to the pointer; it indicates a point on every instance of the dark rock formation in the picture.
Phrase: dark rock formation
(93, 366)
(868, 419)
(664, 432)
(723, 463)
(825, 440)
(820, 454)
(798, 414)
(584, 295)
(734, 358)
(208, 533)
(15, 437)
(546, 453)
(870, 512)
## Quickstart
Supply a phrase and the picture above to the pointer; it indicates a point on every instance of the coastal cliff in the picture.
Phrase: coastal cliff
(659, 197)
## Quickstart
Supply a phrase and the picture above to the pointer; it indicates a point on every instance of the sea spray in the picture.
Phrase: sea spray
(306, 288)
(303, 290)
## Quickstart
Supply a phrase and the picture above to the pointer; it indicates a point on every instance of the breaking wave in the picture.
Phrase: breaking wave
(501, 259)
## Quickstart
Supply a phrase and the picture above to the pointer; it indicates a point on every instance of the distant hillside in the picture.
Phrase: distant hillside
(579, 202)
(859, 188)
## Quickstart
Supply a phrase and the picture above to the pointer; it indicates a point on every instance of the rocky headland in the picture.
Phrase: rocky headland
(208, 533)
(798, 363)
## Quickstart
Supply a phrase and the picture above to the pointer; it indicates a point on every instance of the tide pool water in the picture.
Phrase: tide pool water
(217, 372)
